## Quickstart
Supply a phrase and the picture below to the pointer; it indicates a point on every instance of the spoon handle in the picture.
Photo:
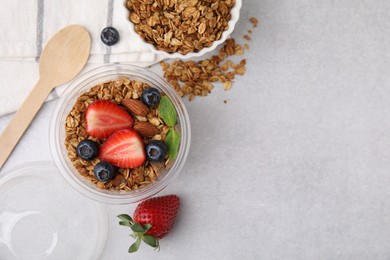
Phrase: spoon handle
(22, 119)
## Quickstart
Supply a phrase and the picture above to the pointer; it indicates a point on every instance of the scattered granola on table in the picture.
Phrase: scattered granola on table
(197, 78)
(130, 121)
(180, 25)
(254, 21)
(247, 37)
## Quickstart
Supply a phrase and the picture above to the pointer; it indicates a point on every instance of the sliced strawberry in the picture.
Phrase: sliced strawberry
(125, 149)
(103, 118)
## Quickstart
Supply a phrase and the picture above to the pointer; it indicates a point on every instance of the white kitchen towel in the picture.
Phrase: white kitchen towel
(26, 26)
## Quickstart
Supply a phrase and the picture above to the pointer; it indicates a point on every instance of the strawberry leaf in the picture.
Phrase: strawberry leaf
(125, 217)
(172, 141)
(137, 227)
(147, 227)
(125, 223)
(139, 233)
(167, 111)
(134, 247)
(151, 241)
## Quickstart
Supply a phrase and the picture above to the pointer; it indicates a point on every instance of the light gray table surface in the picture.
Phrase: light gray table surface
(296, 164)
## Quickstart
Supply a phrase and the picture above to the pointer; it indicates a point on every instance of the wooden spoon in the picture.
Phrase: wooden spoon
(63, 57)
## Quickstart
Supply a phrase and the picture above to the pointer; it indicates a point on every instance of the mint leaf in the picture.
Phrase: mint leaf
(167, 111)
(172, 140)
(134, 247)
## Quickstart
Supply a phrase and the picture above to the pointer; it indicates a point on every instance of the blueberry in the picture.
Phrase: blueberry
(87, 149)
(156, 150)
(150, 96)
(109, 36)
(104, 171)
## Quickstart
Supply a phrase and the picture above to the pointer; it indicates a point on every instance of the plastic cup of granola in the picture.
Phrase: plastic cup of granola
(113, 82)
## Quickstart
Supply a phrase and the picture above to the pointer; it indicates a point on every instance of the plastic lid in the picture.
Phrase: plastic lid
(42, 217)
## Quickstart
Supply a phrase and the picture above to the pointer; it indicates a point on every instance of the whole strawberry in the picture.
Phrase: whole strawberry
(153, 219)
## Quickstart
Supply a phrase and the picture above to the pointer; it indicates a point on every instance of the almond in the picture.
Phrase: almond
(118, 180)
(157, 166)
(146, 129)
(135, 106)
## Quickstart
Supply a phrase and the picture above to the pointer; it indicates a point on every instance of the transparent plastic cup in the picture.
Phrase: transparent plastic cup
(41, 217)
(65, 104)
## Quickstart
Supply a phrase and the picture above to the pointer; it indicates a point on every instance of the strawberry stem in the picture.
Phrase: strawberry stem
(139, 233)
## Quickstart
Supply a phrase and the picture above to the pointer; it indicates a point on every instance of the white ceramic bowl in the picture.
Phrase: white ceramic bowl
(235, 14)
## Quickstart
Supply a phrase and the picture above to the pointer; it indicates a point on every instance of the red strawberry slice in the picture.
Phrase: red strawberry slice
(160, 212)
(103, 118)
(125, 149)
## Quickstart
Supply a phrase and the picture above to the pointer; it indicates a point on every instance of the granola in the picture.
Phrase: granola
(247, 37)
(115, 91)
(182, 26)
(197, 78)
(254, 21)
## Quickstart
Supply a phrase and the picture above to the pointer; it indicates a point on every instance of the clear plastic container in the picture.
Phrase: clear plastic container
(66, 102)
(41, 217)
